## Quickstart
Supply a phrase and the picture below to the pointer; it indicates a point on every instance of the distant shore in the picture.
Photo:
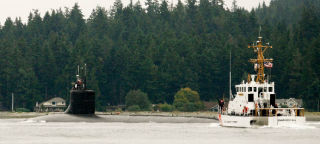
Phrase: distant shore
(310, 116)
(205, 114)
(12, 115)
(202, 114)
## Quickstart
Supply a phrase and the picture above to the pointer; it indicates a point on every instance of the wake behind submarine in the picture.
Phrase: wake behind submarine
(82, 100)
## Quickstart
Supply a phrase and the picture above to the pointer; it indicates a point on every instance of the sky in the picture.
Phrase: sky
(22, 8)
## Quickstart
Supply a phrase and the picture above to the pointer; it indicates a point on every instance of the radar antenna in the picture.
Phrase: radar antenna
(260, 31)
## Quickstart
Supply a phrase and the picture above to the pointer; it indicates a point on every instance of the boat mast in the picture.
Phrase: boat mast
(260, 49)
(230, 91)
(78, 70)
(85, 76)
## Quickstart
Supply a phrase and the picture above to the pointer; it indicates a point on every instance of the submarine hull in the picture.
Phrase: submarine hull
(81, 102)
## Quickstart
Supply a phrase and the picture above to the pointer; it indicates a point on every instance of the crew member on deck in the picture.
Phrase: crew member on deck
(221, 105)
(78, 83)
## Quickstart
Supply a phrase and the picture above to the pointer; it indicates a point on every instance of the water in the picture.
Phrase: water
(18, 131)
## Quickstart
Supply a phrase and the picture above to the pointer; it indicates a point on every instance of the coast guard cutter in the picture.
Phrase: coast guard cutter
(254, 101)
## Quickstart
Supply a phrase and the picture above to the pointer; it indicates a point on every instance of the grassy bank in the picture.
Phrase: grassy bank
(9, 115)
(202, 114)
(312, 116)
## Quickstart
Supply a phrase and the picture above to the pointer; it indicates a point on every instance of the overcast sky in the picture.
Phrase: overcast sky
(22, 8)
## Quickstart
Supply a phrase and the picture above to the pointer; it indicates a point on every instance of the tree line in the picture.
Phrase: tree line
(158, 49)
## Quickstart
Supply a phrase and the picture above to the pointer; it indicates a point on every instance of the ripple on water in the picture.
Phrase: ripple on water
(291, 126)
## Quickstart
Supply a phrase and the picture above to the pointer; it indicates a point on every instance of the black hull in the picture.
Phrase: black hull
(81, 102)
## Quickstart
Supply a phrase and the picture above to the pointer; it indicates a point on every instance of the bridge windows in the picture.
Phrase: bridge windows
(254, 89)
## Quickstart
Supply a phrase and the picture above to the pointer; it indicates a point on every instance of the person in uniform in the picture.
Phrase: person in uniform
(221, 105)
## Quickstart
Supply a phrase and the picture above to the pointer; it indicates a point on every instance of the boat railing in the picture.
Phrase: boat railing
(270, 112)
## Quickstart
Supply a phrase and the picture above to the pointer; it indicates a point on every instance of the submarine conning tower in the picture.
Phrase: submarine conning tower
(82, 100)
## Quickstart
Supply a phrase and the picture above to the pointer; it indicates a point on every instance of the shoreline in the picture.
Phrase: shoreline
(310, 116)
(20, 115)
(203, 114)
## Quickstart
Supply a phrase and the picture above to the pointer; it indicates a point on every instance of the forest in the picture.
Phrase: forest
(159, 49)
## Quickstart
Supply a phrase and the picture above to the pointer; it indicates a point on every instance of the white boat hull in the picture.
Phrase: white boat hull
(251, 121)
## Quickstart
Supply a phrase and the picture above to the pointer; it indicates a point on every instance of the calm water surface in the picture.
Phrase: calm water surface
(18, 131)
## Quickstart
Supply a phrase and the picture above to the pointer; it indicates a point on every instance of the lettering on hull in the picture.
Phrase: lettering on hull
(230, 122)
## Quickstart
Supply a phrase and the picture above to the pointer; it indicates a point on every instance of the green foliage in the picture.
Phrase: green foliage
(159, 49)
(166, 107)
(138, 98)
(283, 106)
(187, 100)
(120, 110)
(22, 110)
(134, 108)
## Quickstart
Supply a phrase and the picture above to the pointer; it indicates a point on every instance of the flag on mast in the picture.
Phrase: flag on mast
(268, 64)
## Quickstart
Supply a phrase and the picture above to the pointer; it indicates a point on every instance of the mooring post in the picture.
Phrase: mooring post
(12, 102)
(318, 106)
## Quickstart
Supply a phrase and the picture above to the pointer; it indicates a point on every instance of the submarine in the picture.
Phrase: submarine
(82, 100)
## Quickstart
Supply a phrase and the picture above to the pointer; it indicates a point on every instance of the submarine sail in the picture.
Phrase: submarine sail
(82, 100)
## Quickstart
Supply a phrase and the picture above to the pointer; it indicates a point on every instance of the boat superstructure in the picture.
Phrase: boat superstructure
(255, 100)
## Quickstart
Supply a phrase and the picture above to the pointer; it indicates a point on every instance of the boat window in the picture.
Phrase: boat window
(245, 89)
(255, 89)
(249, 89)
(237, 89)
(270, 89)
(265, 89)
